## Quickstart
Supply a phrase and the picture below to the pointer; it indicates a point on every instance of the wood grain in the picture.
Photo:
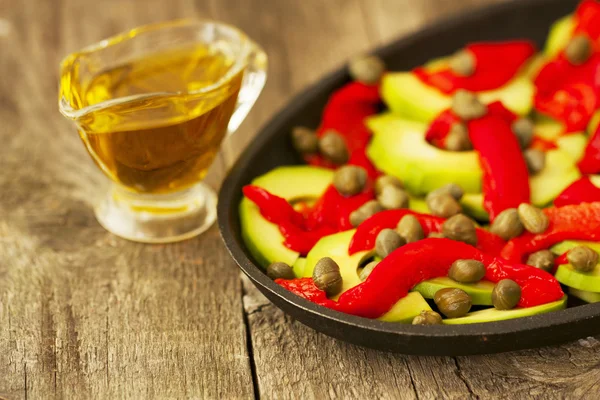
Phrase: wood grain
(84, 314)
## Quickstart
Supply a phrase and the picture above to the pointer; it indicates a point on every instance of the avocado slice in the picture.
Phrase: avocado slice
(472, 204)
(566, 245)
(492, 314)
(560, 171)
(560, 33)
(480, 292)
(298, 266)
(418, 204)
(407, 96)
(593, 124)
(567, 275)
(590, 297)
(406, 309)
(573, 145)
(595, 179)
(336, 247)
(399, 148)
(548, 129)
(588, 281)
(263, 238)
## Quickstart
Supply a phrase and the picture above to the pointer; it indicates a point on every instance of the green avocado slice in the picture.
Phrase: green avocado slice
(588, 281)
(590, 297)
(336, 247)
(492, 314)
(263, 238)
(566, 245)
(472, 204)
(567, 275)
(560, 171)
(560, 33)
(480, 292)
(418, 204)
(593, 124)
(407, 96)
(573, 145)
(399, 148)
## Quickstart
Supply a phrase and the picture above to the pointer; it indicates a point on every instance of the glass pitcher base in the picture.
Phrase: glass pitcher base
(158, 218)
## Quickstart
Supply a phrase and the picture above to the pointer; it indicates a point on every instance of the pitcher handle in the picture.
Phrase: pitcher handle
(253, 82)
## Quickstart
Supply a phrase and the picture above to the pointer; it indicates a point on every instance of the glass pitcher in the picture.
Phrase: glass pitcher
(152, 107)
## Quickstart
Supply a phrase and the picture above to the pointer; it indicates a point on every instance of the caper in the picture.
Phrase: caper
(387, 180)
(523, 130)
(350, 180)
(532, 218)
(364, 212)
(463, 63)
(506, 294)
(427, 317)
(451, 188)
(305, 140)
(458, 138)
(410, 229)
(366, 69)
(535, 160)
(582, 258)
(543, 259)
(436, 235)
(333, 147)
(507, 224)
(460, 228)
(579, 49)
(452, 302)
(366, 271)
(280, 270)
(467, 106)
(387, 241)
(443, 205)
(392, 198)
(327, 276)
(466, 271)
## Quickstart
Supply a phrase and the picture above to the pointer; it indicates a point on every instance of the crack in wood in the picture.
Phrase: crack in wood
(249, 346)
(461, 376)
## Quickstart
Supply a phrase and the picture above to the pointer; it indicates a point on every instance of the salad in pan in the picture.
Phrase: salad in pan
(464, 191)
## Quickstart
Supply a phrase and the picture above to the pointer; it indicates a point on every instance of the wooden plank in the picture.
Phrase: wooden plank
(85, 314)
(292, 360)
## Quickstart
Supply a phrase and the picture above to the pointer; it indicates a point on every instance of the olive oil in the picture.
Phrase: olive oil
(160, 119)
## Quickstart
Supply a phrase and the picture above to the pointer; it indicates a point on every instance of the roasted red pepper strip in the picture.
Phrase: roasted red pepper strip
(562, 259)
(427, 259)
(274, 208)
(496, 65)
(574, 222)
(345, 112)
(440, 127)
(569, 93)
(333, 209)
(366, 233)
(305, 287)
(580, 191)
(330, 214)
(590, 163)
(542, 144)
(588, 19)
(505, 175)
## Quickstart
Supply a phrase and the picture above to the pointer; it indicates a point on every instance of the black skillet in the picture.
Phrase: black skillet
(271, 148)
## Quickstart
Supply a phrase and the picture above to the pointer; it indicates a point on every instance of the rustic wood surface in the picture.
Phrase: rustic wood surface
(84, 314)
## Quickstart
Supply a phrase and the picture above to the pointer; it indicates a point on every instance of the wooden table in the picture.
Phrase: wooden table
(84, 314)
